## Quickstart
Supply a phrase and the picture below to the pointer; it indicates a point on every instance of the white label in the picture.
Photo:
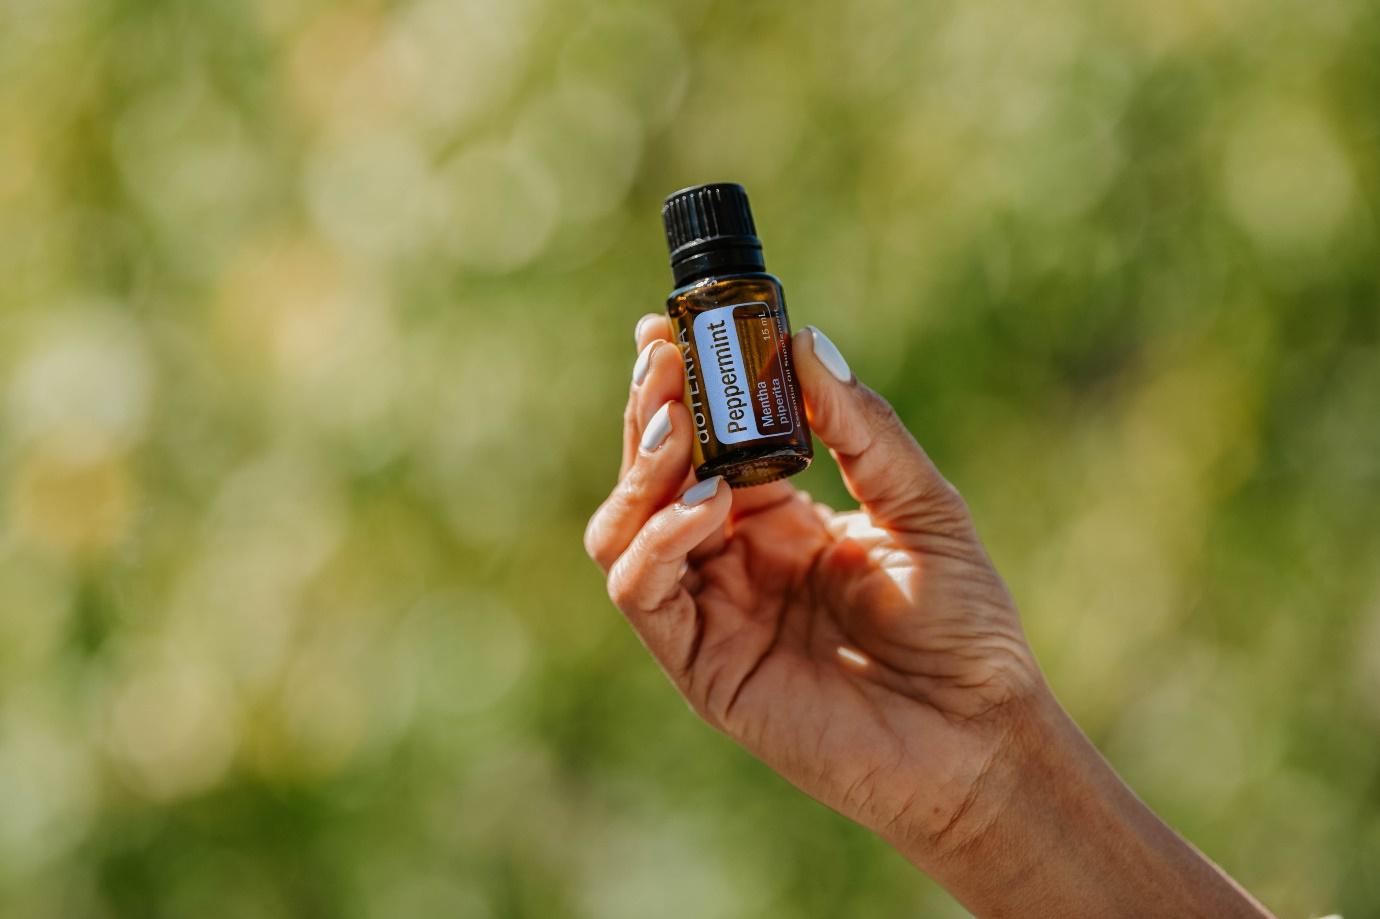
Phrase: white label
(747, 400)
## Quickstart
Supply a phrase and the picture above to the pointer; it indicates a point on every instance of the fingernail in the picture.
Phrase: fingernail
(644, 362)
(637, 329)
(829, 356)
(701, 492)
(657, 429)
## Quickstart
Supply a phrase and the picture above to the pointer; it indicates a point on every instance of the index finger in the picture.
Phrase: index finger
(650, 329)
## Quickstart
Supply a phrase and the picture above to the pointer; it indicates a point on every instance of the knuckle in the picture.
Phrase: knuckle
(634, 484)
(597, 540)
(943, 511)
(647, 545)
(601, 532)
(954, 509)
(881, 416)
(868, 421)
(621, 588)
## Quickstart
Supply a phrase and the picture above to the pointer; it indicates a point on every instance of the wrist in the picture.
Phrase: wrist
(1029, 751)
(1050, 830)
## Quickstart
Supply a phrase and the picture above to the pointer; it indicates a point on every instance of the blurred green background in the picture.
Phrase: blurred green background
(315, 327)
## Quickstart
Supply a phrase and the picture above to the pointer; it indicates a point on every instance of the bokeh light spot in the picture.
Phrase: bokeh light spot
(1287, 179)
(503, 207)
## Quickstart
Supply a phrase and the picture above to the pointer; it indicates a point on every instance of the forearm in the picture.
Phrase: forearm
(1055, 833)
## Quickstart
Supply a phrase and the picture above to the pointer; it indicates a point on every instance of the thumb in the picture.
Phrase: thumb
(883, 466)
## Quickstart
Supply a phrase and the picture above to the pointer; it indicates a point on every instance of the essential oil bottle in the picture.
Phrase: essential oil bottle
(729, 319)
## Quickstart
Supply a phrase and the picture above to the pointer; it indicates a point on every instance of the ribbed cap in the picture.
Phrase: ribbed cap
(710, 226)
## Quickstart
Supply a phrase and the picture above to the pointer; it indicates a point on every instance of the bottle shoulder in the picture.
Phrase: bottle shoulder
(718, 290)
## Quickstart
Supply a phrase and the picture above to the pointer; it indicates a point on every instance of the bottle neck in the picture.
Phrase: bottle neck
(708, 262)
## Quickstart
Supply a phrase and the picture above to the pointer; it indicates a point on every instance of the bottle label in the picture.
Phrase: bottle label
(747, 381)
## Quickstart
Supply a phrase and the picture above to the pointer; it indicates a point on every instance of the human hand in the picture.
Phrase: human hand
(875, 658)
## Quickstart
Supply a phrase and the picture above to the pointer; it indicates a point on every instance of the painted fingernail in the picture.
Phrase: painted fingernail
(829, 356)
(644, 363)
(658, 428)
(701, 492)
(637, 329)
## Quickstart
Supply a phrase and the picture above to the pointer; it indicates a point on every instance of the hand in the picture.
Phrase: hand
(873, 657)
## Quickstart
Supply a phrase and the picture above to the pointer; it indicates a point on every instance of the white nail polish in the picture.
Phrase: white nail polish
(644, 363)
(637, 329)
(658, 429)
(829, 356)
(701, 492)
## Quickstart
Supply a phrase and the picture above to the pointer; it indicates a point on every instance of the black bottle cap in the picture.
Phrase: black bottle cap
(709, 229)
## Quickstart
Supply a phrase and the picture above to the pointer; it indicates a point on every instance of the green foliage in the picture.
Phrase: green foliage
(316, 328)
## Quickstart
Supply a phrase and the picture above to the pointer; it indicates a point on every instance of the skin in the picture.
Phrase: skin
(876, 660)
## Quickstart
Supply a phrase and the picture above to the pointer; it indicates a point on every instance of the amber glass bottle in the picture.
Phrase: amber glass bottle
(729, 318)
